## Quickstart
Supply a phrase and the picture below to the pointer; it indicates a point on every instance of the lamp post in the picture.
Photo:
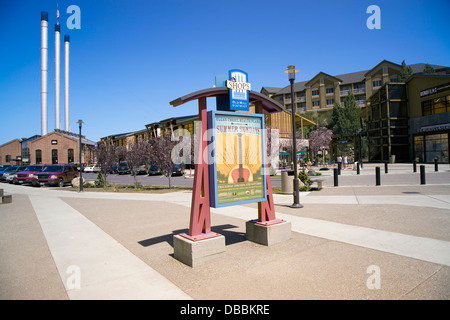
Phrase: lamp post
(291, 71)
(81, 165)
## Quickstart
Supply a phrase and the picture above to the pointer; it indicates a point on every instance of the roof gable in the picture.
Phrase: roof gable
(322, 75)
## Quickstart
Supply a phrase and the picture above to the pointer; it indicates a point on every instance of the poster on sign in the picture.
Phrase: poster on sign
(237, 148)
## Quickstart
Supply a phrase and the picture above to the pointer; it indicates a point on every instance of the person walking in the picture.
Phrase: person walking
(345, 161)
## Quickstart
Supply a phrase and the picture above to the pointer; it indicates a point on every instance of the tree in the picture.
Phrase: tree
(161, 154)
(345, 117)
(320, 139)
(137, 154)
(106, 158)
(405, 72)
(428, 69)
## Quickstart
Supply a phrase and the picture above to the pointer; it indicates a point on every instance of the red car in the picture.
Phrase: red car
(26, 176)
(56, 175)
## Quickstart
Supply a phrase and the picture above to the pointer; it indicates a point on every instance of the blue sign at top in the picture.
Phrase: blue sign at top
(239, 88)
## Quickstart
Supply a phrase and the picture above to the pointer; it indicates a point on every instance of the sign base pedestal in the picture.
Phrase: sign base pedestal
(196, 252)
(268, 233)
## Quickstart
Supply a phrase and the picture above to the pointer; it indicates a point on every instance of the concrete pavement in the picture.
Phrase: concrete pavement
(350, 242)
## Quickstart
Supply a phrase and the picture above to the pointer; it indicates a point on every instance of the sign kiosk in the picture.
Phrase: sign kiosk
(236, 171)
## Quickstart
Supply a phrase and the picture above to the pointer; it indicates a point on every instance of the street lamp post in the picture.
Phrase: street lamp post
(81, 165)
(291, 71)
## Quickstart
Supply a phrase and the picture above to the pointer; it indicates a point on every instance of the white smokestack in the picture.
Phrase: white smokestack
(57, 77)
(66, 82)
(44, 72)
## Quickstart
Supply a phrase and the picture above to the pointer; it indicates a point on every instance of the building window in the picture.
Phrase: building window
(38, 156)
(70, 156)
(394, 79)
(315, 92)
(8, 158)
(330, 102)
(329, 90)
(435, 106)
(316, 103)
(436, 147)
(54, 156)
(377, 83)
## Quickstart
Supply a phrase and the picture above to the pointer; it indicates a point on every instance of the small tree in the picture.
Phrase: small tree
(405, 72)
(428, 69)
(137, 154)
(161, 151)
(320, 139)
(106, 158)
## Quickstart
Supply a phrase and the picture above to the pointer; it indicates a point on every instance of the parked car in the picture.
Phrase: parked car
(123, 168)
(26, 176)
(56, 175)
(141, 170)
(92, 168)
(2, 169)
(153, 171)
(10, 172)
(177, 171)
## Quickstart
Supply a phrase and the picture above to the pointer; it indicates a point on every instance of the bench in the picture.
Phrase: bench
(319, 183)
(6, 198)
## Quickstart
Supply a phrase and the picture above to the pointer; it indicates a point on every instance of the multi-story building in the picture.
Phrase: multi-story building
(410, 120)
(323, 90)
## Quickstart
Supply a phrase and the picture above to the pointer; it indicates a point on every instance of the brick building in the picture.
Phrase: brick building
(11, 153)
(58, 146)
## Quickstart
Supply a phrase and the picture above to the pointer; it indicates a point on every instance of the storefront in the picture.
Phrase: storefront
(428, 147)
(431, 131)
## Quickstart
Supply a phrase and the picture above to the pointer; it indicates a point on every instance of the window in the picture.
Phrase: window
(436, 147)
(315, 92)
(434, 106)
(329, 90)
(54, 156)
(377, 83)
(316, 103)
(70, 156)
(418, 149)
(8, 158)
(330, 102)
(38, 156)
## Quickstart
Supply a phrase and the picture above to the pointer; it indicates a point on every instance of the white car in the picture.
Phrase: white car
(92, 168)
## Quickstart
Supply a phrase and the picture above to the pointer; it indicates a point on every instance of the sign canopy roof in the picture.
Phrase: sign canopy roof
(269, 105)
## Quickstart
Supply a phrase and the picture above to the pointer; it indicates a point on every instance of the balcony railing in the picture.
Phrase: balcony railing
(359, 90)
(360, 102)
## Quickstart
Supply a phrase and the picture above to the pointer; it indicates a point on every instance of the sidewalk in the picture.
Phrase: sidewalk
(119, 246)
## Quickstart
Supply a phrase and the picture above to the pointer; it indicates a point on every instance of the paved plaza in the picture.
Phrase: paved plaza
(354, 241)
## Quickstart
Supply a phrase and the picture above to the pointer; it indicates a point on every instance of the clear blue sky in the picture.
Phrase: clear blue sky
(130, 58)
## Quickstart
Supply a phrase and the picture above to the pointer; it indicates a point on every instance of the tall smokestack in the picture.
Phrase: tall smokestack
(66, 81)
(44, 72)
(57, 77)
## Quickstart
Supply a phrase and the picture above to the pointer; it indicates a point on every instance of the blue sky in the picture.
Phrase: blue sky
(129, 59)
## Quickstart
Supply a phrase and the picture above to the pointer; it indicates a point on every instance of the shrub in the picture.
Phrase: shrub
(303, 176)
